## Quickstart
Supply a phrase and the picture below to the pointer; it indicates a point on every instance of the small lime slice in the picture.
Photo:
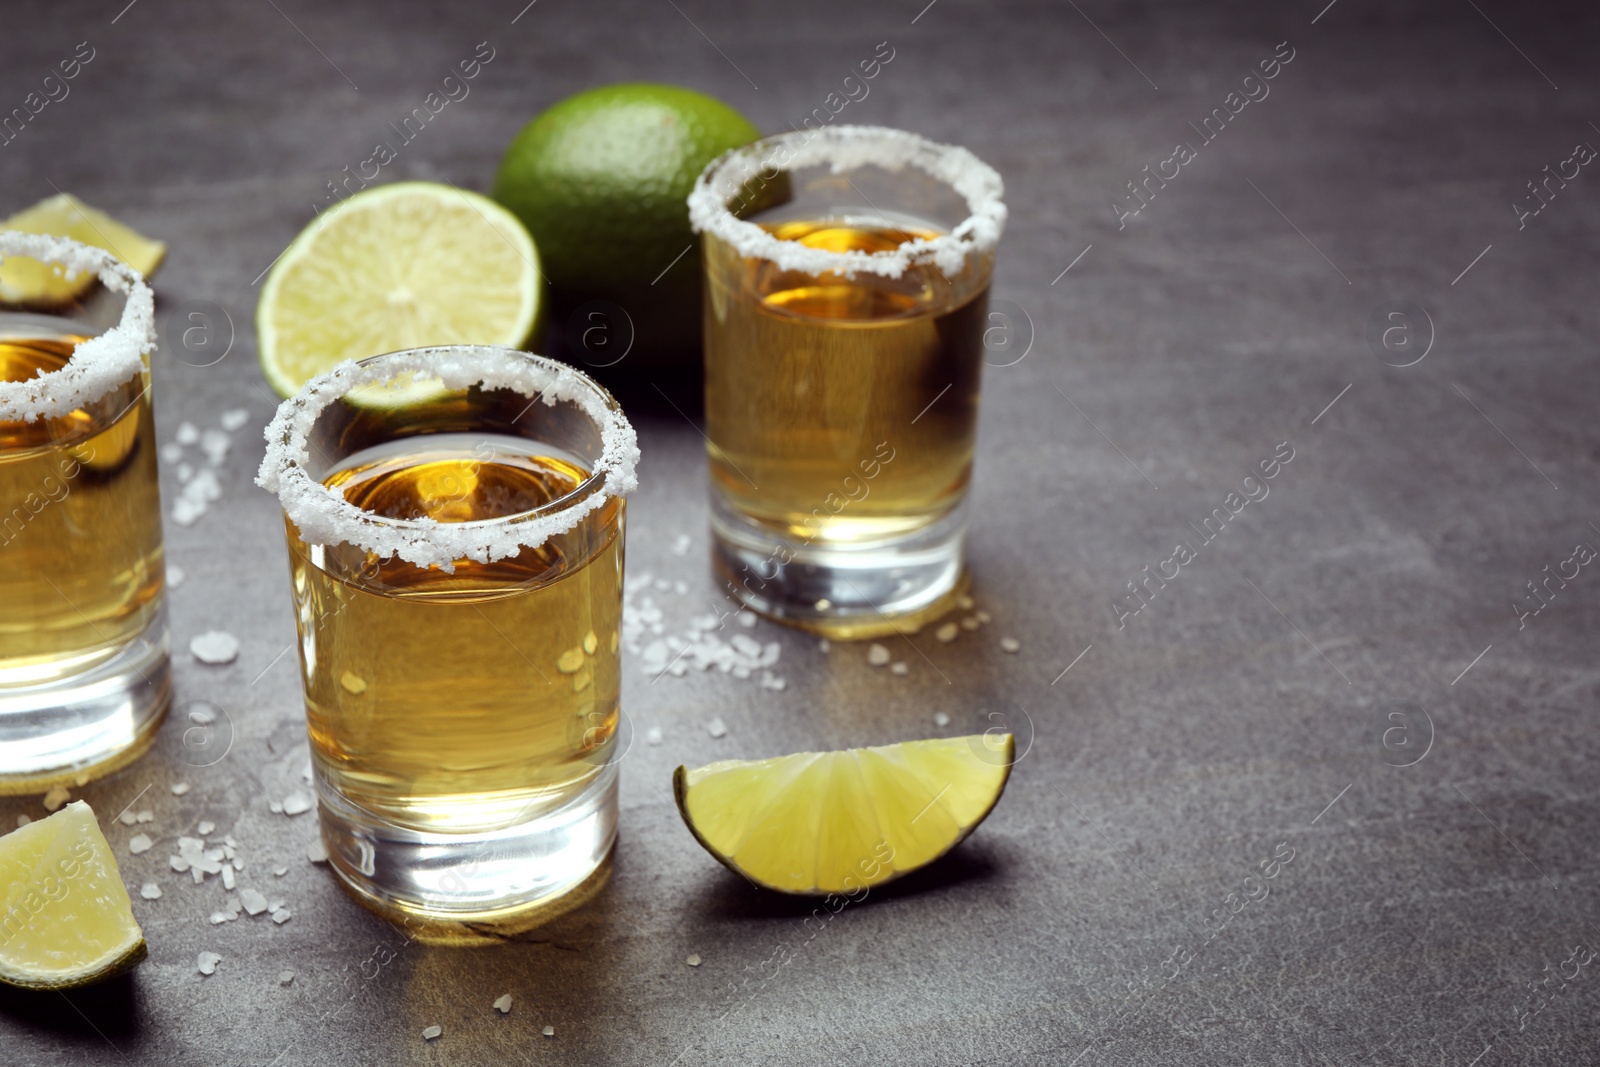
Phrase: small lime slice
(27, 281)
(65, 916)
(398, 266)
(838, 822)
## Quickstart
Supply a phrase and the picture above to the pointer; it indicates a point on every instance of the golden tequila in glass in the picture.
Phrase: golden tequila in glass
(844, 329)
(462, 694)
(84, 677)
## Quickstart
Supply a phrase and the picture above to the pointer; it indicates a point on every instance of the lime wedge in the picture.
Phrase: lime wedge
(399, 266)
(27, 281)
(838, 822)
(65, 917)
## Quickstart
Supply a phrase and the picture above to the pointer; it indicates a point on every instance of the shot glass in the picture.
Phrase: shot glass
(847, 283)
(84, 675)
(455, 529)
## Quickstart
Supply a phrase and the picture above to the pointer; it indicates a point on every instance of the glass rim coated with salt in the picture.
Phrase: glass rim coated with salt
(84, 672)
(847, 274)
(454, 518)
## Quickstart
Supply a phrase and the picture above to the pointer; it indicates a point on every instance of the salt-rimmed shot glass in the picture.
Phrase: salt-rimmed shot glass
(84, 676)
(847, 284)
(455, 530)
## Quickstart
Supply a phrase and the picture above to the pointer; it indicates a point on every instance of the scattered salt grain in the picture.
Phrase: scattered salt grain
(139, 843)
(315, 852)
(22, 820)
(983, 617)
(964, 602)
(205, 827)
(280, 915)
(179, 788)
(202, 714)
(285, 977)
(214, 647)
(296, 804)
(1010, 644)
(219, 917)
(652, 736)
(214, 443)
(187, 433)
(171, 452)
(432, 1032)
(150, 891)
(227, 878)
(174, 576)
(570, 660)
(878, 656)
(717, 728)
(353, 683)
(824, 646)
(970, 623)
(747, 619)
(252, 901)
(185, 472)
(900, 668)
(503, 1004)
(275, 806)
(947, 632)
(548, 1031)
(56, 797)
(207, 962)
(773, 682)
(234, 419)
(279, 872)
(147, 816)
(128, 818)
(693, 960)
(680, 545)
(941, 719)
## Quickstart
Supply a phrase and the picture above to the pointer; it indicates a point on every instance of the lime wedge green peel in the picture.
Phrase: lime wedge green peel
(837, 822)
(65, 916)
(399, 266)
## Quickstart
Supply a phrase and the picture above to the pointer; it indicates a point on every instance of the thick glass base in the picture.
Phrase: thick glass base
(485, 877)
(69, 730)
(844, 591)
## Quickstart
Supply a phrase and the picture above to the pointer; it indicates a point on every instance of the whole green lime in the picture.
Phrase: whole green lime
(601, 181)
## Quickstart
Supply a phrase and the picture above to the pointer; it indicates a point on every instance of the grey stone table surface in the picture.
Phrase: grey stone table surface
(1348, 688)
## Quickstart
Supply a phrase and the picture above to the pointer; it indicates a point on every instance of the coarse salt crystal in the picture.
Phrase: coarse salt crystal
(147, 816)
(316, 852)
(179, 788)
(227, 878)
(900, 668)
(296, 803)
(717, 728)
(207, 962)
(652, 736)
(280, 916)
(969, 623)
(1010, 644)
(170, 453)
(941, 719)
(252, 901)
(431, 1032)
(947, 632)
(964, 602)
(234, 419)
(824, 646)
(983, 617)
(175, 576)
(150, 891)
(205, 827)
(187, 433)
(548, 1031)
(279, 872)
(285, 977)
(139, 843)
(878, 656)
(747, 619)
(502, 1004)
(56, 797)
(680, 545)
(214, 647)
(127, 818)
(693, 960)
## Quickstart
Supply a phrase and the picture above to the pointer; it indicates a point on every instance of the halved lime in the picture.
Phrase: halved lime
(398, 266)
(838, 822)
(65, 916)
(27, 281)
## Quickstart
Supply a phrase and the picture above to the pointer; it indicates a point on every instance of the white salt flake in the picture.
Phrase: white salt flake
(824, 646)
(187, 512)
(252, 901)
(502, 1004)
(548, 1031)
(128, 818)
(187, 433)
(878, 656)
(717, 728)
(773, 682)
(296, 804)
(234, 419)
(219, 917)
(285, 977)
(983, 617)
(170, 453)
(280, 915)
(22, 820)
(941, 719)
(214, 647)
(747, 619)
(693, 960)
(275, 806)
(899, 667)
(227, 878)
(207, 962)
(315, 852)
(432, 1032)
(202, 714)
(147, 816)
(175, 576)
(652, 736)
(279, 872)
(970, 623)
(214, 443)
(1010, 644)
(680, 545)
(185, 472)
(139, 843)
(964, 602)
(150, 891)
(205, 827)
(56, 797)
(179, 788)
(947, 632)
